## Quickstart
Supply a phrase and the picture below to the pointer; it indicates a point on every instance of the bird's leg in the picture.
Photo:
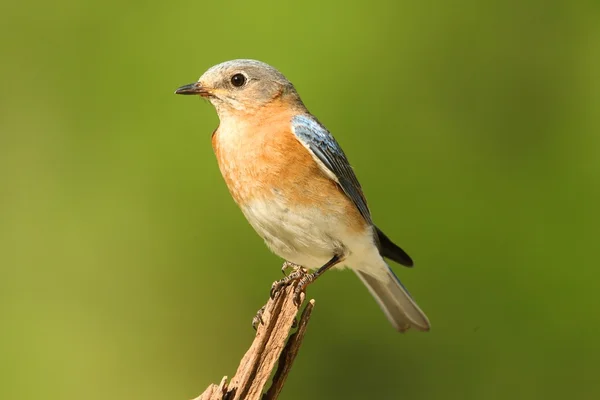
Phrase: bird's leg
(298, 272)
(307, 279)
(286, 265)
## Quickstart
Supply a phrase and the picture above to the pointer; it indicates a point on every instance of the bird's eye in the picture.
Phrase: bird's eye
(238, 80)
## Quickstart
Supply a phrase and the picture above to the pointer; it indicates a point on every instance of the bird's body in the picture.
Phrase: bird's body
(293, 183)
(278, 193)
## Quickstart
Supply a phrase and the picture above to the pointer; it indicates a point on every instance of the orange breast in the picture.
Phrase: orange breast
(261, 158)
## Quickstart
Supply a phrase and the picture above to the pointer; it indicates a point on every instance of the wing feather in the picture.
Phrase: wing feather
(328, 154)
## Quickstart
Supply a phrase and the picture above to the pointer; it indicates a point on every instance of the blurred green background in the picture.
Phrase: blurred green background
(127, 272)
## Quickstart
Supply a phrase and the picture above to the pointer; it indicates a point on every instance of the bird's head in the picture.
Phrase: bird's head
(242, 86)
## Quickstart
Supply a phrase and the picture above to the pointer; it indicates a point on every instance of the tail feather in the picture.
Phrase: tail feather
(389, 249)
(395, 301)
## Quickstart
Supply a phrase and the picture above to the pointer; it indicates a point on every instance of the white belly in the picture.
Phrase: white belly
(307, 236)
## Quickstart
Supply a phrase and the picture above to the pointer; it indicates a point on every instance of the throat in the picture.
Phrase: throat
(238, 150)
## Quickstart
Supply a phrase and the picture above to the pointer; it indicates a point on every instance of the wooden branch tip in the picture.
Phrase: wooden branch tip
(272, 345)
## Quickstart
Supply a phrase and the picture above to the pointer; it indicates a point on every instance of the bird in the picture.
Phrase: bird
(296, 187)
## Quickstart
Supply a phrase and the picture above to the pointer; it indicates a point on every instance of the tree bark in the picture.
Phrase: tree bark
(272, 343)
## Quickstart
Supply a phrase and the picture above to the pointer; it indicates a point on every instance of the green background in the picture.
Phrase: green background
(127, 272)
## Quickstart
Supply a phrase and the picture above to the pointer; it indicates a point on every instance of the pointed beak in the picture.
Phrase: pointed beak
(193, 88)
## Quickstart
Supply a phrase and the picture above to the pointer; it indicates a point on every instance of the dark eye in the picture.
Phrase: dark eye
(238, 80)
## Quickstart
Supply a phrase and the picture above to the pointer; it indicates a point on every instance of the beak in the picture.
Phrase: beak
(193, 88)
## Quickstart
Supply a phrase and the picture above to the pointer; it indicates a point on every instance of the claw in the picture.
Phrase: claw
(276, 287)
(297, 298)
(298, 274)
(258, 318)
(302, 284)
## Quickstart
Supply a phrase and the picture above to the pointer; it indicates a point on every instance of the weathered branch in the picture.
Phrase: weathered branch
(269, 346)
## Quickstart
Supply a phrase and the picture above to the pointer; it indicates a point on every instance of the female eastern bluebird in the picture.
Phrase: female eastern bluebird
(295, 185)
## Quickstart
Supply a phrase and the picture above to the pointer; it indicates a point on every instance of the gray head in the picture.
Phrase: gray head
(242, 85)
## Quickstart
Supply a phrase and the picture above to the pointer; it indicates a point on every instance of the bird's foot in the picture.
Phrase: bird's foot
(295, 275)
(308, 278)
(303, 282)
(287, 265)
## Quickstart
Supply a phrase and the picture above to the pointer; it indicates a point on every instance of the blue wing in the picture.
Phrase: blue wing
(326, 149)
